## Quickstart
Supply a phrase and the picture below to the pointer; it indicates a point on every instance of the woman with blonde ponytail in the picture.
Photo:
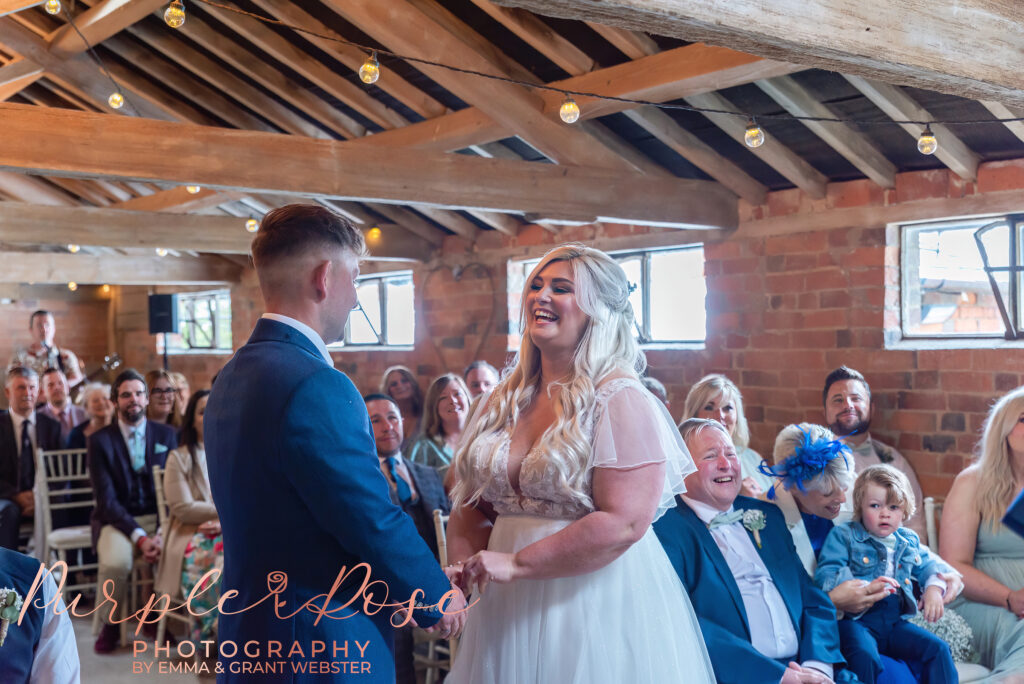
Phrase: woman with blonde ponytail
(558, 477)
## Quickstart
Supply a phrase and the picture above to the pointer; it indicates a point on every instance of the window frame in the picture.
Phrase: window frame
(382, 302)
(183, 300)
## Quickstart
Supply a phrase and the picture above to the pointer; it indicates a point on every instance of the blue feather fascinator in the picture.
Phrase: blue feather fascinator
(808, 461)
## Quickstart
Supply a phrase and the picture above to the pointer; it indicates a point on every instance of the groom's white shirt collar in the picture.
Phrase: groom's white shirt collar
(313, 335)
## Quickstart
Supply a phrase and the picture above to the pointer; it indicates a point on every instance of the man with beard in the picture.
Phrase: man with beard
(847, 400)
(121, 460)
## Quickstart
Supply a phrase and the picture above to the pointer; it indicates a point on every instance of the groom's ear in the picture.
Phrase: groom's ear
(320, 277)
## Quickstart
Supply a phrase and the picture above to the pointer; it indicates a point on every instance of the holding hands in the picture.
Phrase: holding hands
(481, 569)
(856, 596)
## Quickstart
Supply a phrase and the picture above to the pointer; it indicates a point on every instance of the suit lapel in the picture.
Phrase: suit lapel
(714, 554)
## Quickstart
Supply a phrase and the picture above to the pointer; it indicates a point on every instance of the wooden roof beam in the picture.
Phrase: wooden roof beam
(12, 6)
(101, 21)
(633, 44)
(853, 145)
(17, 75)
(978, 55)
(148, 150)
(31, 189)
(898, 105)
(1001, 111)
(178, 200)
(540, 36)
(24, 267)
(773, 152)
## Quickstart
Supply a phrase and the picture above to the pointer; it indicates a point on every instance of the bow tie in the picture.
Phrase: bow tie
(726, 519)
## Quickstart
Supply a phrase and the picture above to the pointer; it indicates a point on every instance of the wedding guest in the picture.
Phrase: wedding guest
(481, 377)
(193, 544)
(849, 412)
(444, 417)
(99, 409)
(655, 387)
(58, 402)
(400, 384)
(183, 393)
(557, 480)
(163, 399)
(990, 555)
(43, 353)
(762, 618)
(716, 397)
(873, 545)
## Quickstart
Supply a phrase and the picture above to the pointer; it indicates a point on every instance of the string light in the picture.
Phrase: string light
(116, 100)
(105, 289)
(192, 189)
(370, 71)
(73, 248)
(754, 136)
(72, 286)
(161, 252)
(252, 225)
(373, 234)
(52, 6)
(174, 15)
(569, 111)
(927, 144)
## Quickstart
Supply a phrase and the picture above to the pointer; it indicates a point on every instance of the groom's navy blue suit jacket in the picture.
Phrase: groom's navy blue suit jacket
(298, 488)
(719, 607)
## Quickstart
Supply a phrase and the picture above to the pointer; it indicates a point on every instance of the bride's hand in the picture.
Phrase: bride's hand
(457, 576)
(485, 567)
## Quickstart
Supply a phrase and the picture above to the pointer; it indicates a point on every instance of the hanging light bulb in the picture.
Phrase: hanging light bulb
(192, 189)
(52, 6)
(161, 252)
(105, 289)
(116, 100)
(252, 225)
(927, 144)
(754, 137)
(569, 111)
(370, 71)
(174, 15)
(373, 234)
(72, 286)
(73, 248)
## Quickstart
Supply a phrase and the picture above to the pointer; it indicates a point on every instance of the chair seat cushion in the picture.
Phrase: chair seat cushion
(70, 537)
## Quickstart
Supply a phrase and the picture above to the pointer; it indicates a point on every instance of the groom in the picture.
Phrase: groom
(762, 618)
(297, 483)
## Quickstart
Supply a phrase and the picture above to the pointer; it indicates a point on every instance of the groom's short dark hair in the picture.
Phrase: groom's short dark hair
(296, 228)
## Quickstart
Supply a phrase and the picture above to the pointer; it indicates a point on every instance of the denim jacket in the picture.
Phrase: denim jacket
(850, 552)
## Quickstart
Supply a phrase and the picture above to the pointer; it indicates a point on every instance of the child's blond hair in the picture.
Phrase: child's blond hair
(896, 485)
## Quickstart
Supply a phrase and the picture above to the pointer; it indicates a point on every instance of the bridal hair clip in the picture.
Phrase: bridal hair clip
(808, 461)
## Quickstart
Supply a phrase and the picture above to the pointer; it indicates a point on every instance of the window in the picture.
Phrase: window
(962, 278)
(668, 293)
(386, 315)
(204, 323)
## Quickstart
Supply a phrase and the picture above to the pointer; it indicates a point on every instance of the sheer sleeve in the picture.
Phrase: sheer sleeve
(633, 429)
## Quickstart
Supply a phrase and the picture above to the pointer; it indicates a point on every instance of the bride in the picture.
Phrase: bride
(559, 476)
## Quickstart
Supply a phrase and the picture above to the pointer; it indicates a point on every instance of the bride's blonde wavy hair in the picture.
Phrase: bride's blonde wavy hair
(606, 345)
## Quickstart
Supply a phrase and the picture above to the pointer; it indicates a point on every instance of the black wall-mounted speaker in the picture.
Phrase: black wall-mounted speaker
(163, 313)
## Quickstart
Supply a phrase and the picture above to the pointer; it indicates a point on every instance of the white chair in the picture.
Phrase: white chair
(62, 484)
(968, 672)
(163, 515)
(439, 656)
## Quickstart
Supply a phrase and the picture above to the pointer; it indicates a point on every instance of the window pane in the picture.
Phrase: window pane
(946, 289)
(678, 291)
(401, 311)
(359, 329)
(633, 266)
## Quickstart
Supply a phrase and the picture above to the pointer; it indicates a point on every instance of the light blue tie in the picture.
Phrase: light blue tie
(726, 519)
(137, 448)
(404, 492)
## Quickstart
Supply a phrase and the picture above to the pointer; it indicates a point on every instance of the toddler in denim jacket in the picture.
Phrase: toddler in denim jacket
(875, 545)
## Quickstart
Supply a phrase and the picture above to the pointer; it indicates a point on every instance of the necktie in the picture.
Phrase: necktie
(25, 459)
(137, 447)
(404, 492)
(726, 519)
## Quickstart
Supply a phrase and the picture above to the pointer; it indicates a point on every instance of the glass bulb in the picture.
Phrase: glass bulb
(370, 71)
(52, 6)
(175, 14)
(754, 137)
(72, 286)
(192, 189)
(105, 289)
(73, 248)
(252, 225)
(116, 100)
(160, 251)
(373, 234)
(569, 111)
(927, 144)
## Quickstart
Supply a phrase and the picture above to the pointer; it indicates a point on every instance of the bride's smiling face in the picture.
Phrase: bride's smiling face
(553, 315)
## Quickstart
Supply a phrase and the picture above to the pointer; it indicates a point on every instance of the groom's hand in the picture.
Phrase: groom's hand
(454, 619)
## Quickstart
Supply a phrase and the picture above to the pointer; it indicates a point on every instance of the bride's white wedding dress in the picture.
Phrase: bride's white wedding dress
(629, 622)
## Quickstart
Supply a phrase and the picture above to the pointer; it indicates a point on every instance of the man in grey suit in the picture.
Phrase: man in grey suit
(417, 488)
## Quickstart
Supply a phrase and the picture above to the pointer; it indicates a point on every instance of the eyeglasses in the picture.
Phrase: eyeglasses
(167, 390)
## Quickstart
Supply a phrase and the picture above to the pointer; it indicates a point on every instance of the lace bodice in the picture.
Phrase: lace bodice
(627, 427)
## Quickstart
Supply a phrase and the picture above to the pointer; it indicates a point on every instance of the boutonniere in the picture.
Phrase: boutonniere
(159, 448)
(10, 606)
(753, 520)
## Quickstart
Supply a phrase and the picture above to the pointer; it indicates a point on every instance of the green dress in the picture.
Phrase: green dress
(998, 634)
(427, 452)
